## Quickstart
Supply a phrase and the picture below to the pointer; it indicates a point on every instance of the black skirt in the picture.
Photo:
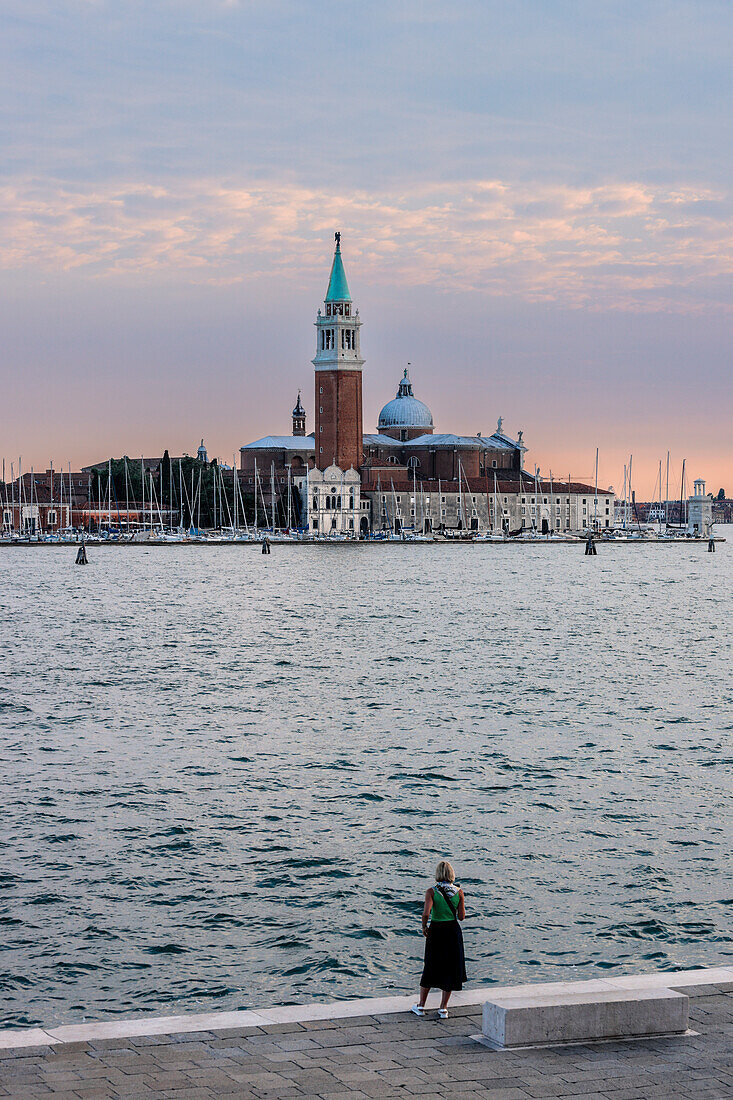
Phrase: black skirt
(445, 962)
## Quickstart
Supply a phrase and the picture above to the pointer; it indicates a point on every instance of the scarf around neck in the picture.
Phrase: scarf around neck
(449, 887)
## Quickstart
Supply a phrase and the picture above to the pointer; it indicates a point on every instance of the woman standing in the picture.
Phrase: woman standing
(445, 964)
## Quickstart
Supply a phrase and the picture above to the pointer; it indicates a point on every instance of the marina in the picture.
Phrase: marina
(326, 540)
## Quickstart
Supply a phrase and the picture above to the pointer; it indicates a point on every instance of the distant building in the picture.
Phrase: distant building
(405, 475)
(334, 504)
(699, 510)
(49, 501)
(723, 510)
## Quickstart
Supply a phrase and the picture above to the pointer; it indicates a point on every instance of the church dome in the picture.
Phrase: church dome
(405, 411)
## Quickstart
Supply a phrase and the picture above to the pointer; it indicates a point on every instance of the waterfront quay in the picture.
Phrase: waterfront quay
(353, 1050)
(309, 540)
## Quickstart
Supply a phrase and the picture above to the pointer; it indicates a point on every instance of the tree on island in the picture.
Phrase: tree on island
(721, 494)
(184, 489)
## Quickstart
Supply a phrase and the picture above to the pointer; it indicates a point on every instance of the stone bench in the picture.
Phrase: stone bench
(549, 1019)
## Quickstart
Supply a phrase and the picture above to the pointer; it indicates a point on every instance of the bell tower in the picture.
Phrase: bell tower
(298, 417)
(338, 363)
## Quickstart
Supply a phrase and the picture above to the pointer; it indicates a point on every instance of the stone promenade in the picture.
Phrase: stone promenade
(390, 1054)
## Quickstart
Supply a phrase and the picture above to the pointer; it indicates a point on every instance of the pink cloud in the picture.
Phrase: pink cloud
(620, 246)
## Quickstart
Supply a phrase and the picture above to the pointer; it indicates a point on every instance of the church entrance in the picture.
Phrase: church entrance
(364, 527)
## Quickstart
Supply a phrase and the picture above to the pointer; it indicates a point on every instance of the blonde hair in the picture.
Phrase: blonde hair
(444, 872)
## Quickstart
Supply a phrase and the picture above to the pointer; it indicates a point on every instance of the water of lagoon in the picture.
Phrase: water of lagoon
(227, 777)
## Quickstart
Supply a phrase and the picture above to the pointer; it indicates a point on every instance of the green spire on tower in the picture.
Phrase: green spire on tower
(338, 288)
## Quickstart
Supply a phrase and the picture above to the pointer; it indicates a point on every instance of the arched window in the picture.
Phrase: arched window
(315, 504)
(339, 504)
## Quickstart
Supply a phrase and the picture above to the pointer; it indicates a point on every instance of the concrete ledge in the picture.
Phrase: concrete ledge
(538, 1019)
(343, 1010)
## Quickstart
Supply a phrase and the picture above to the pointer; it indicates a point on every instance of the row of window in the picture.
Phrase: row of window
(399, 499)
(338, 309)
(328, 339)
(413, 463)
(558, 500)
(333, 524)
(332, 502)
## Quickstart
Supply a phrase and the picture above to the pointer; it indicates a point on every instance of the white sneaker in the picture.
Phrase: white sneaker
(418, 1010)
(442, 1013)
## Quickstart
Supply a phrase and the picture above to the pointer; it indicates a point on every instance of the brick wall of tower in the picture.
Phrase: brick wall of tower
(339, 424)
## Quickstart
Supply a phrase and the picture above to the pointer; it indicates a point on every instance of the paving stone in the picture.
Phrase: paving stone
(504, 1093)
(390, 1056)
(348, 1095)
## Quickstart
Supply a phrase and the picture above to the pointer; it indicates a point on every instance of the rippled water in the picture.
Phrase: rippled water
(226, 778)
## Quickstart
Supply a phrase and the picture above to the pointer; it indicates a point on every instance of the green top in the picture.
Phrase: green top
(338, 288)
(444, 909)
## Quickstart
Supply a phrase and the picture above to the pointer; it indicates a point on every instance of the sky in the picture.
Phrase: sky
(534, 198)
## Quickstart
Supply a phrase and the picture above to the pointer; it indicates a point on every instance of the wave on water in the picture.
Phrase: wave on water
(228, 784)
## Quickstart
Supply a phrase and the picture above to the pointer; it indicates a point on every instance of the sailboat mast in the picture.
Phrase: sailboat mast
(595, 503)
(551, 505)
(496, 506)
(234, 491)
(666, 502)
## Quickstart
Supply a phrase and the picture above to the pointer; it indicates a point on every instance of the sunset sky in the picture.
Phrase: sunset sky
(534, 199)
